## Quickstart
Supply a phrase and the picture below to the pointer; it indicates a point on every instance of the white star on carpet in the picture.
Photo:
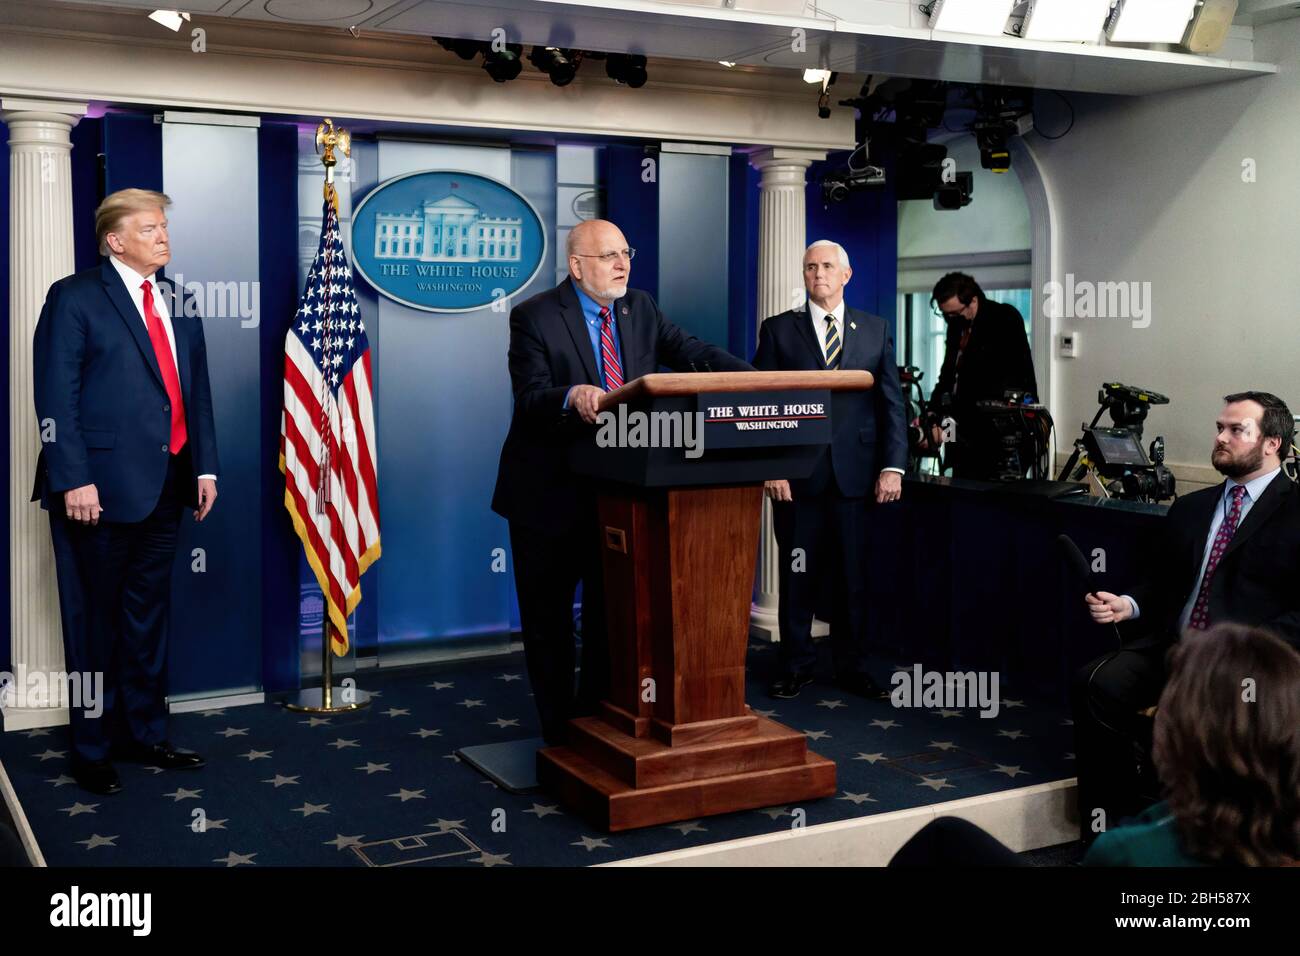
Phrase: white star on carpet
(257, 755)
(341, 842)
(422, 733)
(503, 723)
(280, 780)
(78, 808)
(214, 712)
(1013, 734)
(942, 744)
(180, 793)
(310, 809)
(397, 712)
(509, 677)
(50, 755)
(869, 758)
(936, 783)
(1008, 702)
(777, 812)
(545, 810)
(97, 840)
(945, 713)
(830, 704)
(340, 743)
(370, 768)
(441, 684)
(235, 859)
(315, 721)
(816, 734)
(769, 714)
(233, 732)
(210, 825)
(591, 843)
(1011, 772)
(690, 826)
(451, 757)
(442, 826)
(885, 724)
(60, 780)
(469, 703)
(39, 732)
(492, 859)
(858, 798)
(403, 794)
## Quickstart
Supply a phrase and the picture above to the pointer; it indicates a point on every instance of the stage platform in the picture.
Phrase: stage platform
(384, 787)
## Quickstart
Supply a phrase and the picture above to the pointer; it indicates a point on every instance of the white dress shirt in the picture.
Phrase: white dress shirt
(134, 287)
(821, 329)
(1254, 488)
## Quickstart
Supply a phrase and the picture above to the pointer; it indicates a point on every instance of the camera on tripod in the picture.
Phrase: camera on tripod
(1115, 455)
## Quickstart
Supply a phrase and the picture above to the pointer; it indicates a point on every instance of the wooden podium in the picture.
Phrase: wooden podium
(680, 534)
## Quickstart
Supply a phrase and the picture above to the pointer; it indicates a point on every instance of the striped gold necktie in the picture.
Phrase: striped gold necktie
(832, 343)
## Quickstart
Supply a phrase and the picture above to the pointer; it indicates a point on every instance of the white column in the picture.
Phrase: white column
(782, 222)
(40, 252)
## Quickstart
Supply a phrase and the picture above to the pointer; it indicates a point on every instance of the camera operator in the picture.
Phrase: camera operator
(986, 355)
(1228, 553)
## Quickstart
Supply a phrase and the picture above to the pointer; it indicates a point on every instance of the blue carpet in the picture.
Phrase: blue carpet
(383, 786)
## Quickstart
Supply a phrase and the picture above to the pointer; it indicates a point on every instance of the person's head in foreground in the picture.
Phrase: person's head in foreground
(1227, 746)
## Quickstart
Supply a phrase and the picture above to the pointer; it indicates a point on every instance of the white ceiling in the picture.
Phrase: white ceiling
(704, 30)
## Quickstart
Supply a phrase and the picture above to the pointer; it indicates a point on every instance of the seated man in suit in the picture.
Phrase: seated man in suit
(824, 516)
(568, 346)
(125, 410)
(1230, 553)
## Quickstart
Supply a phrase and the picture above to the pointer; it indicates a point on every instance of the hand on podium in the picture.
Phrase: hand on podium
(585, 400)
(778, 490)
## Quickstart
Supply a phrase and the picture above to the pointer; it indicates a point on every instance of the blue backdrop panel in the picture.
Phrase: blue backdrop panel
(742, 257)
(211, 174)
(443, 405)
(632, 204)
(693, 241)
(277, 212)
(133, 154)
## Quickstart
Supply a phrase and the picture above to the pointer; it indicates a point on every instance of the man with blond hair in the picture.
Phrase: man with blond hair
(127, 441)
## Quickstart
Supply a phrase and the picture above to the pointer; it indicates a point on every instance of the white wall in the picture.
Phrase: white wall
(1150, 190)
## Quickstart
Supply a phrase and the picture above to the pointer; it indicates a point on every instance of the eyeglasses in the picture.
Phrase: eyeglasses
(629, 254)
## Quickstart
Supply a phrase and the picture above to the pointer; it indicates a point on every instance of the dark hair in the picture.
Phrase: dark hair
(1230, 761)
(1277, 422)
(957, 284)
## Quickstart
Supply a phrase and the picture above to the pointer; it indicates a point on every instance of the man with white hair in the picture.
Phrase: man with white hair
(820, 521)
(568, 347)
(128, 442)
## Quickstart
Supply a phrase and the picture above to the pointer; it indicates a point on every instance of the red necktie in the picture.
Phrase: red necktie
(1200, 617)
(167, 365)
(609, 354)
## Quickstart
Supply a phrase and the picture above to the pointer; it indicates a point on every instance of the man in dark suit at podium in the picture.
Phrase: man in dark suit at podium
(568, 346)
(1230, 553)
(125, 411)
(820, 521)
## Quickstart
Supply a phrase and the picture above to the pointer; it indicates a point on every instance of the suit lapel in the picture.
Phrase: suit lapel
(576, 323)
(1260, 511)
(852, 339)
(804, 323)
(115, 288)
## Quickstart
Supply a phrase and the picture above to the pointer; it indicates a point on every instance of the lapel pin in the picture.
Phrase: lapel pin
(853, 325)
(623, 310)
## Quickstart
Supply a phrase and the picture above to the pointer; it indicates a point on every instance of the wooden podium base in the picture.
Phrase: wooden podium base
(621, 782)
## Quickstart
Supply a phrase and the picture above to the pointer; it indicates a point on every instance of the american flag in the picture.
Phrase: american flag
(327, 432)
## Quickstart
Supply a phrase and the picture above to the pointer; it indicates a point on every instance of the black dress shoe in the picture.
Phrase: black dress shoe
(862, 685)
(162, 755)
(97, 777)
(789, 685)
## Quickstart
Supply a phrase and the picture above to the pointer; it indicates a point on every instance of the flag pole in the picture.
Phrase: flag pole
(313, 700)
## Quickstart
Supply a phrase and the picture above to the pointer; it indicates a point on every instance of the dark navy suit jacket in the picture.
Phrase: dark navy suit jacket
(869, 429)
(100, 400)
(550, 352)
